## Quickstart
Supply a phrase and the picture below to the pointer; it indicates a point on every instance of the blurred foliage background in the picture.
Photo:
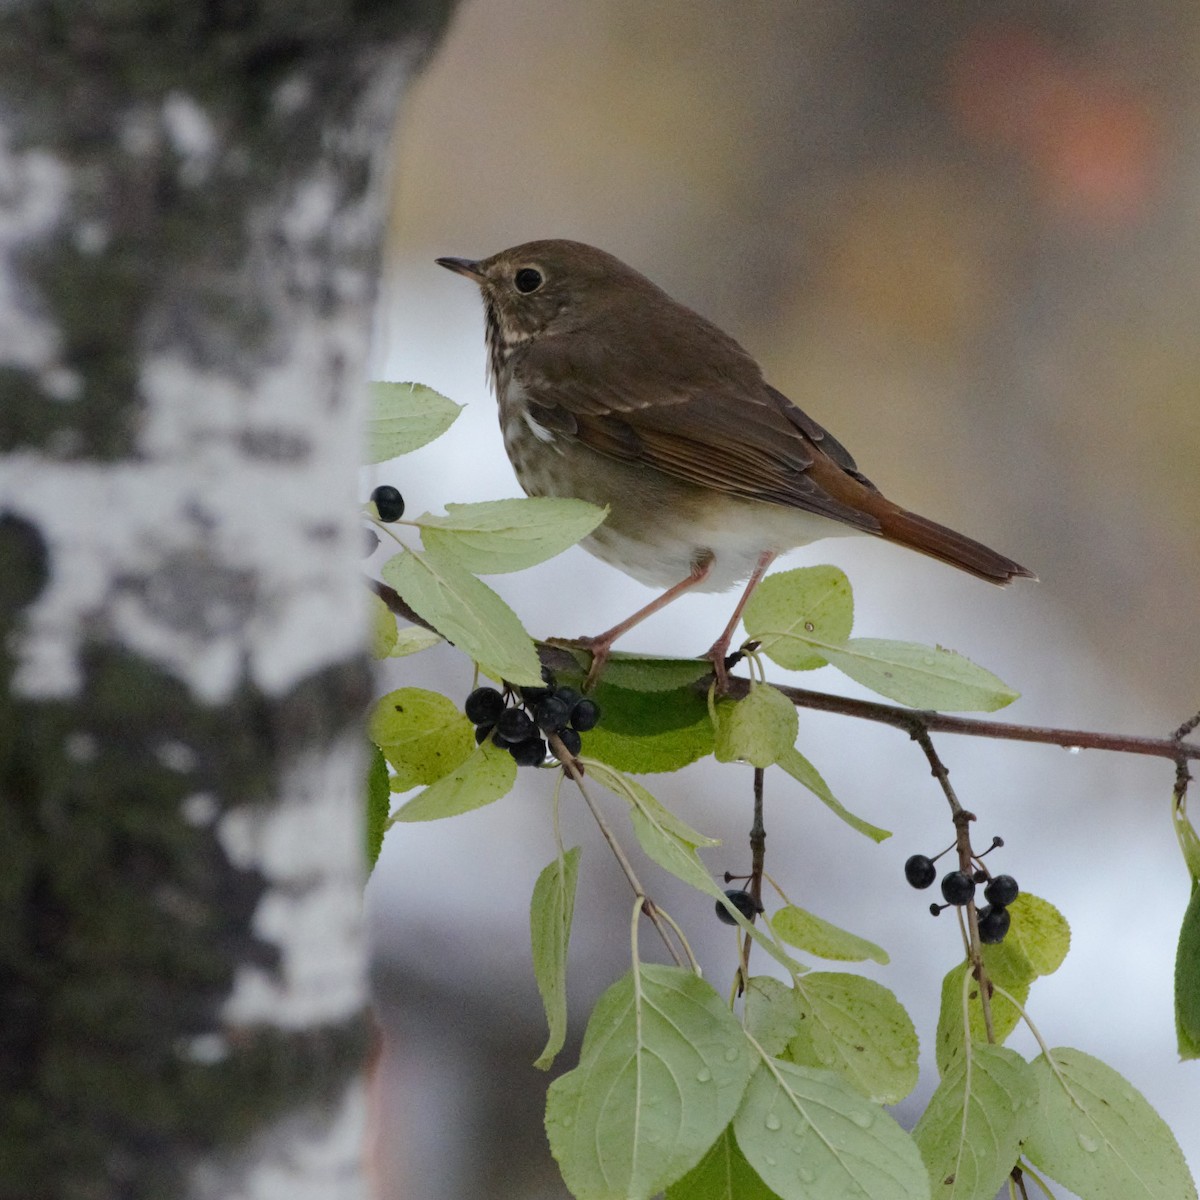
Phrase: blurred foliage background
(964, 237)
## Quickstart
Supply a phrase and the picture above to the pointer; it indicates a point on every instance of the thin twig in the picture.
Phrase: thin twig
(648, 905)
(962, 836)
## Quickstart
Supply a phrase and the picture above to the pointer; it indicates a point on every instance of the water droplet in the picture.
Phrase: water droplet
(703, 1075)
(773, 1122)
(806, 1176)
(567, 1122)
(1073, 749)
(770, 1160)
(863, 1120)
(732, 1054)
(809, 627)
(1088, 1142)
(898, 1058)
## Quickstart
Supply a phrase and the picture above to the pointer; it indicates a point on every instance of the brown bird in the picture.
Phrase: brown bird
(612, 392)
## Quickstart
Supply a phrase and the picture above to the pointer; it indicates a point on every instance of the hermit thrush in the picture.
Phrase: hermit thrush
(612, 392)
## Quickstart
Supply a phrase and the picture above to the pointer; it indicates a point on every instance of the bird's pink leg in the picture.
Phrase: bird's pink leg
(601, 645)
(718, 651)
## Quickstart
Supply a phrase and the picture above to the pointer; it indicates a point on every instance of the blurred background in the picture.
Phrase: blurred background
(964, 238)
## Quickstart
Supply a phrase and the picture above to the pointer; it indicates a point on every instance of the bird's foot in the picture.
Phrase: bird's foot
(600, 648)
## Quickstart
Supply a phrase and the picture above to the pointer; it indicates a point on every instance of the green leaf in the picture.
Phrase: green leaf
(1097, 1135)
(858, 1028)
(423, 734)
(801, 770)
(1189, 838)
(550, 913)
(773, 1013)
(1036, 943)
(379, 800)
(810, 1136)
(787, 612)
(920, 676)
(951, 1043)
(383, 627)
(645, 732)
(722, 1174)
(402, 417)
(760, 728)
(486, 776)
(970, 1135)
(653, 809)
(467, 612)
(412, 639)
(806, 931)
(642, 674)
(497, 536)
(1187, 980)
(662, 1069)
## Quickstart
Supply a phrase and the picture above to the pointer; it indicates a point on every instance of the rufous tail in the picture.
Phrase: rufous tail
(918, 533)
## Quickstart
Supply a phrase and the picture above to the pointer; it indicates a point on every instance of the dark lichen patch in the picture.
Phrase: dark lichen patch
(126, 922)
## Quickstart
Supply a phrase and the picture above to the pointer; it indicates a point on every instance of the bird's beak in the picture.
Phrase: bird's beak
(462, 266)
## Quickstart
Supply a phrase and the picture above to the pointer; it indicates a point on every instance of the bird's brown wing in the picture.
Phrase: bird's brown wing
(729, 432)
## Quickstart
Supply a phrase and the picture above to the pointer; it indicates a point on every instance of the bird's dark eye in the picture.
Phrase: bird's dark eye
(527, 280)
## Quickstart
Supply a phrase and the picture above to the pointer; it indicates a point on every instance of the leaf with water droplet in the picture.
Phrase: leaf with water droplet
(632, 1117)
(821, 1121)
(1099, 1137)
(970, 1134)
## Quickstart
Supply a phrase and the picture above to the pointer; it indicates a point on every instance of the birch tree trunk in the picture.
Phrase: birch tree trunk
(191, 203)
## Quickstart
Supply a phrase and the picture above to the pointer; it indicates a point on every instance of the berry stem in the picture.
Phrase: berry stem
(645, 903)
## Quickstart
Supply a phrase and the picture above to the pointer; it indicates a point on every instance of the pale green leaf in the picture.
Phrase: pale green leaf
(662, 1069)
(801, 770)
(1036, 943)
(467, 613)
(383, 627)
(1187, 980)
(806, 931)
(550, 913)
(791, 610)
(379, 799)
(858, 1028)
(487, 775)
(402, 417)
(639, 673)
(773, 1013)
(412, 639)
(951, 1039)
(423, 734)
(1097, 1135)
(970, 1135)
(497, 536)
(760, 728)
(920, 676)
(810, 1136)
(722, 1174)
(652, 808)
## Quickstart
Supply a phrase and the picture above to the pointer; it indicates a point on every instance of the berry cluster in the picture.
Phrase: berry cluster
(958, 888)
(519, 726)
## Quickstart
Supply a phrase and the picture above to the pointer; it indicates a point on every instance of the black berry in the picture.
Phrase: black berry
(1002, 891)
(920, 871)
(529, 753)
(482, 732)
(484, 706)
(514, 725)
(389, 504)
(957, 888)
(569, 696)
(572, 742)
(993, 924)
(551, 714)
(585, 715)
(533, 696)
(740, 900)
